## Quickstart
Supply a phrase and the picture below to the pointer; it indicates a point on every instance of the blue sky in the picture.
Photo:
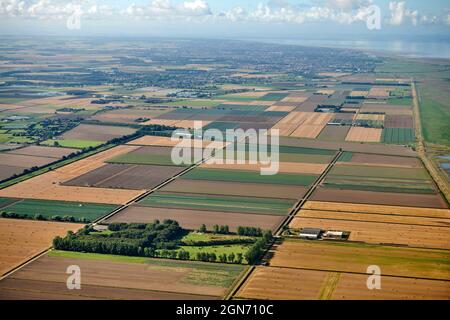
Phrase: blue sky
(227, 18)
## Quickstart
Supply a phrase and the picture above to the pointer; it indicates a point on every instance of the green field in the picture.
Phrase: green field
(380, 172)
(214, 274)
(398, 135)
(249, 177)
(400, 101)
(48, 209)
(218, 203)
(380, 184)
(242, 107)
(76, 144)
(217, 250)
(283, 157)
(273, 97)
(193, 103)
(346, 156)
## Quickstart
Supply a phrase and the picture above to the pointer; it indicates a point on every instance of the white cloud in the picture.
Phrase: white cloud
(272, 11)
(165, 9)
(400, 14)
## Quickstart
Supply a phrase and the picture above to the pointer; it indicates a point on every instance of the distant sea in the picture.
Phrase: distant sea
(414, 49)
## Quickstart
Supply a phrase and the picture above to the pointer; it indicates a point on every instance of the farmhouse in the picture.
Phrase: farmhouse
(310, 233)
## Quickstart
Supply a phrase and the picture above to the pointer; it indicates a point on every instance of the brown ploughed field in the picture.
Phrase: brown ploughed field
(193, 219)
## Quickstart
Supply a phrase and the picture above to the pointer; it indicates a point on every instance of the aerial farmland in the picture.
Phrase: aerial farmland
(87, 176)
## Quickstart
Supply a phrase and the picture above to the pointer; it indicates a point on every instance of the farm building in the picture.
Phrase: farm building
(310, 233)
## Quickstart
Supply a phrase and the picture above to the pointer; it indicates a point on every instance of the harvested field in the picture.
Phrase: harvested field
(22, 239)
(356, 257)
(382, 233)
(189, 124)
(379, 92)
(377, 209)
(383, 198)
(398, 121)
(193, 219)
(48, 186)
(123, 176)
(353, 287)
(219, 203)
(312, 126)
(334, 133)
(145, 278)
(281, 108)
(360, 134)
(381, 160)
(47, 152)
(370, 116)
(284, 167)
(97, 132)
(374, 217)
(295, 99)
(272, 283)
(236, 189)
(303, 124)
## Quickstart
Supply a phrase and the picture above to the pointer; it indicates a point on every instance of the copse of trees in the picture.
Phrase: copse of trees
(129, 240)
(250, 231)
(257, 250)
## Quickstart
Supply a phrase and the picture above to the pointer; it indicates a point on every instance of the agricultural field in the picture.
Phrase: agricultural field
(96, 133)
(350, 160)
(125, 176)
(351, 176)
(57, 210)
(219, 203)
(146, 279)
(147, 155)
(48, 186)
(193, 219)
(415, 227)
(249, 177)
(23, 239)
(76, 144)
(16, 161)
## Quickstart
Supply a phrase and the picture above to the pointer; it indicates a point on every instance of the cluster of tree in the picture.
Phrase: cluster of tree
(250, 231)
(127, 239)
(223, 258)
(256, 251)
(40, 217)
(216, 229)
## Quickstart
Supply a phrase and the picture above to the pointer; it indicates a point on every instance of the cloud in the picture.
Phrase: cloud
(271, 11)
(400, 14)
(165, 9)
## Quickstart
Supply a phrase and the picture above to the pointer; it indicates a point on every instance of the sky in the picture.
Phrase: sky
(289, 19)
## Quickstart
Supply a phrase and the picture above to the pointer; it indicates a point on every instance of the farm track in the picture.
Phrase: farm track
(287, 221)
(421, 147)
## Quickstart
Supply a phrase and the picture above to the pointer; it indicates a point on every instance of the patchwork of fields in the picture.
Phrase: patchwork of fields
(88, 167)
